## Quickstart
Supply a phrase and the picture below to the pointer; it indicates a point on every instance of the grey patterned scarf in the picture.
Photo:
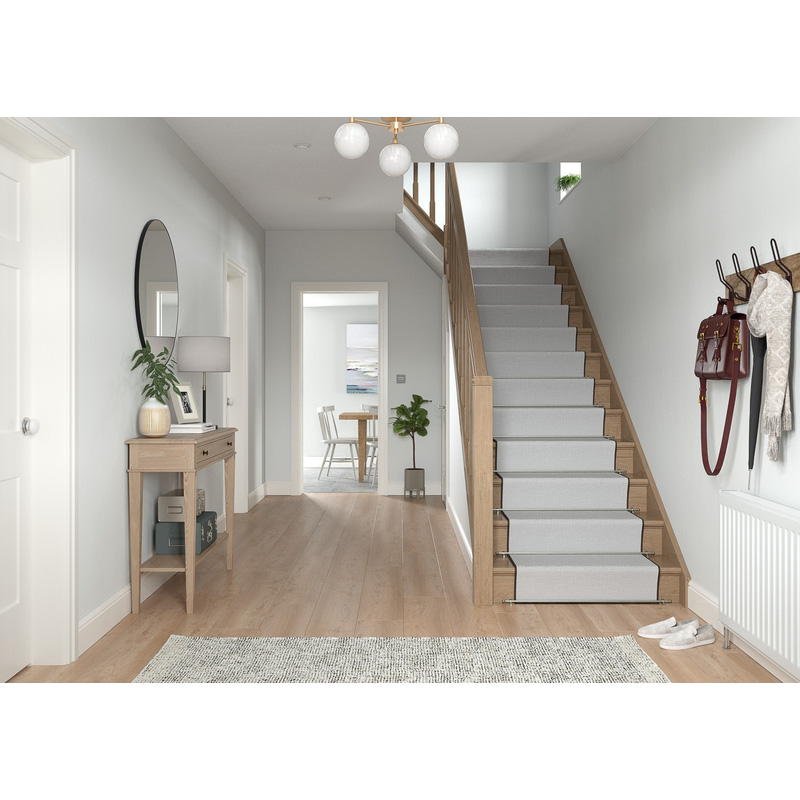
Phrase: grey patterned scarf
(769, 314)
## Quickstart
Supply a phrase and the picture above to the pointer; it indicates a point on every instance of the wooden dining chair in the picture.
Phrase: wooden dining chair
(372, 441)
(330, 436)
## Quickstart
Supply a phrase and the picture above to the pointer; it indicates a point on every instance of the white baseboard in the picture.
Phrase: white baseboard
(99, 622)
(462, 535)
(707, 608)
(278, 487)
(256, 496)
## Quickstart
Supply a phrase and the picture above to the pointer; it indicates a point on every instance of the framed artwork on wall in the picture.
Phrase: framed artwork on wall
(362, 358)
(184, 404)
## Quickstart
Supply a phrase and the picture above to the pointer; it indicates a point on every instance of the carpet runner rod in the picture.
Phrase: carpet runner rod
(508, 508)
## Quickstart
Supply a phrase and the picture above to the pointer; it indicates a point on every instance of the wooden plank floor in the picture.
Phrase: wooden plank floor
(362, 565)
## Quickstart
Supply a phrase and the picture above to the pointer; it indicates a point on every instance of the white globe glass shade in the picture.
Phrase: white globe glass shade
(395, 160)
(351, 140)
(441, 141)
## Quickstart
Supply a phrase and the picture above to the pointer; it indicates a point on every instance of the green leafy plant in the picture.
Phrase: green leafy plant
(566, 182)
(411, 420)
(159, 372)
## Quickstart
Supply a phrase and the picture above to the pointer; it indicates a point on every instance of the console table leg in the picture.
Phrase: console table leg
(135, 526)
(230, 486)
(190, 529)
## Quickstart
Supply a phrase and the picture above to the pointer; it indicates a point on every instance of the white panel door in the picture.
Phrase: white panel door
(15, 634)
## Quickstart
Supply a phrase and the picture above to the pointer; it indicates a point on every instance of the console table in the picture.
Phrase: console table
(184, 453)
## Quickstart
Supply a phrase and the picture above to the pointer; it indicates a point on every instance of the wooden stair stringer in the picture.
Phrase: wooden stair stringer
(674, 578)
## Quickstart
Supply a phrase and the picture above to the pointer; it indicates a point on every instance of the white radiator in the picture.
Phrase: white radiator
(760, 576)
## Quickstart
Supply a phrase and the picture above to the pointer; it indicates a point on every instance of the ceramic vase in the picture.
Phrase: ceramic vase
(154, 418)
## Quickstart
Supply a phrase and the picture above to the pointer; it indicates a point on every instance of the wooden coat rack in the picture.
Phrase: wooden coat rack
(735, 284)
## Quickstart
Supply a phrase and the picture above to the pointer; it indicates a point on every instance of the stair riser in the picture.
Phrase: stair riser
(536, 365)
(543, 392)
(559, 456)
(529, 256)
(547, 316)
(566, 493)
(519, 295)
(651, 539)
(526, 275)
(582, 586)
(535, 422)
(529, 340)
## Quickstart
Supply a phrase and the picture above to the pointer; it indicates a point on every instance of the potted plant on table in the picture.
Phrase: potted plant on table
(154, 418)
(412, 420)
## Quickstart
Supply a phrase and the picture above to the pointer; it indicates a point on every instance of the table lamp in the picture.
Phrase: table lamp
(204, 354)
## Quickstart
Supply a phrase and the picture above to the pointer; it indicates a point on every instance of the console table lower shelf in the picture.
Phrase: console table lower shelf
(184, 454)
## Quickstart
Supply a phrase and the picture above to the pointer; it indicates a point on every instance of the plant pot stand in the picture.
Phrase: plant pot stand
(414, 482)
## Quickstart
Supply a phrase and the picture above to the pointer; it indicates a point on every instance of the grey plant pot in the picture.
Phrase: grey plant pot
(415, 481)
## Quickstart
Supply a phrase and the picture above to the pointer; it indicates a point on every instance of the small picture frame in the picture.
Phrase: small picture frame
(184, 404)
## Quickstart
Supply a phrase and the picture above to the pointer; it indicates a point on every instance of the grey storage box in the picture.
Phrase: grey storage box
(170, 506)
(170, 539)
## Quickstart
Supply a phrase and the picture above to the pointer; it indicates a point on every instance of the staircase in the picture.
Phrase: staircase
(576, 508)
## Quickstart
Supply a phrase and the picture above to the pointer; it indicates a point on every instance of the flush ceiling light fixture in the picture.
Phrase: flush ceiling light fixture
(352, 141)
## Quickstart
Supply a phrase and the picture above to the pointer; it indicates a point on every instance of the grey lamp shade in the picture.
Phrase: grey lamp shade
(204, 354)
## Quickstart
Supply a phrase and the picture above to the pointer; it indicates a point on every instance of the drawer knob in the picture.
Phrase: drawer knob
(230, 444)
(205, 452)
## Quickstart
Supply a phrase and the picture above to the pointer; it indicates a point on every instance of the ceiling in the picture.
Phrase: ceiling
(255, 158)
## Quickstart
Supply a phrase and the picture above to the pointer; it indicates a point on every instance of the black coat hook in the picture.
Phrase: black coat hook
(741, 277)
(787, 273)
(759, 269)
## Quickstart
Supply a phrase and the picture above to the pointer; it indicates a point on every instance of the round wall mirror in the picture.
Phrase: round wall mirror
(156, 288)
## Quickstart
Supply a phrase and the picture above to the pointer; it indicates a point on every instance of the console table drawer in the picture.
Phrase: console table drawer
(206, 452)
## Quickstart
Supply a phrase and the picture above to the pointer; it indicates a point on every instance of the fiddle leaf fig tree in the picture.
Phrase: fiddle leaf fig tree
(159, 372)
(411, 420)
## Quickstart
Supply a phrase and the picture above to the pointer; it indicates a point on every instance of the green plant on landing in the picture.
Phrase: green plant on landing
(566, 182)
(411, 420)
(158, 371)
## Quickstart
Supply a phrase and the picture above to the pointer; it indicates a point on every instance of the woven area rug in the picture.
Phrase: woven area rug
(191, 659)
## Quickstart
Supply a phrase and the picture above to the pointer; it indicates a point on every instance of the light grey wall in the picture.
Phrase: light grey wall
(324, 373)
(128, 172)
(644, 233)
(504, 205)
(414, 320)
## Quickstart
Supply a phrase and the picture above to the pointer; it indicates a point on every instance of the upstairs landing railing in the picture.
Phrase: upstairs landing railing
(474, 384)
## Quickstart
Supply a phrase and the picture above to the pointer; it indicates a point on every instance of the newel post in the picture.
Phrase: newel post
(482, 499)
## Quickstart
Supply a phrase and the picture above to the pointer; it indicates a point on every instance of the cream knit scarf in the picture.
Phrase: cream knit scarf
(769, 314)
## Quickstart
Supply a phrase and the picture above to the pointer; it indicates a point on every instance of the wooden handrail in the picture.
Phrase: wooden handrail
(474, 386)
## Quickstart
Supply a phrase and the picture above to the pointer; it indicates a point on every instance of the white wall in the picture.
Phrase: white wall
(644, 233)
(414, 319)
(128, 172)
(504, 205)
(324, 373)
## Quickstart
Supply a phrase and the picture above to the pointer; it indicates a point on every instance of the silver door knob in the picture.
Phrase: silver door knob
(442, 407)
(30, 427)
(229, 401)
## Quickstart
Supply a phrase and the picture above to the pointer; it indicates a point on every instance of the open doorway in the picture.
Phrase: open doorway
(339, 357)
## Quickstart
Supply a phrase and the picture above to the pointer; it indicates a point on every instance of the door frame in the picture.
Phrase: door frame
(298, 290)
(53, 569)
(236, 272)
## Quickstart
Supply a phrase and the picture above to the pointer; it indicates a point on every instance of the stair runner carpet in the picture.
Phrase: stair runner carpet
(570, 536)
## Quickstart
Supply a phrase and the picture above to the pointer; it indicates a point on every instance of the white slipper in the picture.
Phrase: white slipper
(658, 630)
(688, 637)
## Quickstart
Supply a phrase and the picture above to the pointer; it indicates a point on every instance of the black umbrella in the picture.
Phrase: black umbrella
(759, 349)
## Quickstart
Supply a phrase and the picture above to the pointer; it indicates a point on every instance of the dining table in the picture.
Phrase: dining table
(361, 417)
